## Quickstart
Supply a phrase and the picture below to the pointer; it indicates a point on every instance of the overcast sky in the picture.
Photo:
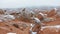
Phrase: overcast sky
(27, 3)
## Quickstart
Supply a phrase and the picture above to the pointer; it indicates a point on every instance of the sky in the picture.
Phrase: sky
(27, 3)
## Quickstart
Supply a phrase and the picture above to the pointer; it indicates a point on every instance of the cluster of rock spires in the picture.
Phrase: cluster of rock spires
(38, 17)
(26, 14)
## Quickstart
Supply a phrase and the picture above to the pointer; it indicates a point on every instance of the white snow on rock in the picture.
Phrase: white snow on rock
(36, 20)
(55, 26)
(7, 17)
(34, 32)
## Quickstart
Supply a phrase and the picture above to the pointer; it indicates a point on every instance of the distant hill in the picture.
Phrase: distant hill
(31, 8)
